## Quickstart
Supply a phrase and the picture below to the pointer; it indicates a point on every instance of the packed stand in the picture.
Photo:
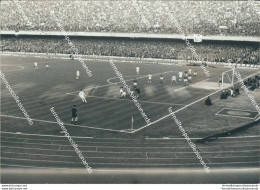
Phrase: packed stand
(168, 49)
(238, 18)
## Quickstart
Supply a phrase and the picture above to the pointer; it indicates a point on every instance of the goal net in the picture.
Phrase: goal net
(228, 79)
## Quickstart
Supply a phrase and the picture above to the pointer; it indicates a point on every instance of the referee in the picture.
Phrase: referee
(74, 119)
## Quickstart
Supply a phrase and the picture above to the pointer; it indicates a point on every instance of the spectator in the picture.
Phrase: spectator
(208, 101)
(171, 49)
(206, 18)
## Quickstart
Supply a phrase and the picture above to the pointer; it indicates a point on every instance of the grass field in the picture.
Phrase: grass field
(104, 134)
(39, 90)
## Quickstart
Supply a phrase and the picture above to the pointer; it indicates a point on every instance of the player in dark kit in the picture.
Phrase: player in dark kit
(74, 119)
(219, 81)
(161, 78)
(208, 101)
(137, 92)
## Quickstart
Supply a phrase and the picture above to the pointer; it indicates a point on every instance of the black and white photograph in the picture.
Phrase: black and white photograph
(120, 92)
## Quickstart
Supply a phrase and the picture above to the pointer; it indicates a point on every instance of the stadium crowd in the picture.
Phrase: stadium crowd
(195, 17)
(253, 82)
(243, 52)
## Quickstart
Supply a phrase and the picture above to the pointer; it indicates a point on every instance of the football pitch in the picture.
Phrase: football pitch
(104, 133)
(57, 87)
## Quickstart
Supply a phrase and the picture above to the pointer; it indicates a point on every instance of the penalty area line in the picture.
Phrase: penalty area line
(183, 107)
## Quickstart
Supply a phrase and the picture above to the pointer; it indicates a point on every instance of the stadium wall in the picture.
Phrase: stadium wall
(133, 35)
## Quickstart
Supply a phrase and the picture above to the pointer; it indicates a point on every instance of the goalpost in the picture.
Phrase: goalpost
(228, 79)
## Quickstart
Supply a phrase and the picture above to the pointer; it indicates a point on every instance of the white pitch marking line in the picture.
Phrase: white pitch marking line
(20, 67)
(234, 116)
(121, 163)
(173, 112)
(17, 147)
(54, 155)
(181, 88)
(105, 142)
(215, 100)
(108, 80)
(52, 142)
(210, 161)
(148, 138)
(92, 146)
(237, 109)
(39, 160)
(194, 170)
(118, 158)
(122, 131)
(220, 111)
(77, 140)
(74, 162)
(221, 152)
(200, 138)
(182, 108)
(30, 134)
(36, 167)
(36, 143)
(170, 147)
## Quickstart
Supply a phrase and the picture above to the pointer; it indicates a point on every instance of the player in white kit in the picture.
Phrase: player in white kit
(174, 79)
(180, 76)
(135, 83)
(77, 74)
(122, 92)
(150, 78)
(47, 66)
(137, 70)
(36, 66)
(82, 95)
(189, 78)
